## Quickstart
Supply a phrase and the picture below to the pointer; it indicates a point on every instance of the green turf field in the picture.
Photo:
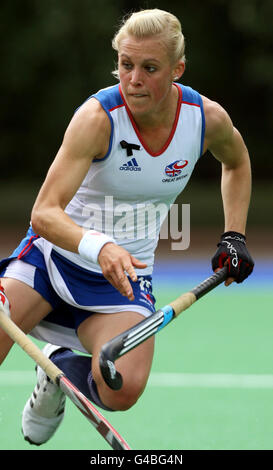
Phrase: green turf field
(210, 386)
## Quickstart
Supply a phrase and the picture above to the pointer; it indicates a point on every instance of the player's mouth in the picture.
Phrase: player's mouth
(138, 95)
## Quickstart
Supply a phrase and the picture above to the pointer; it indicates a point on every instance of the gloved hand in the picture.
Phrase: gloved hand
(233, 252)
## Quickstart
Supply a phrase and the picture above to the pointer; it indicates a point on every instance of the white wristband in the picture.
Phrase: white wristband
(91, 244)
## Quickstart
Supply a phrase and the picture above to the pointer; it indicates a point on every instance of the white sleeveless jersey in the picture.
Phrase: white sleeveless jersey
(127, 194)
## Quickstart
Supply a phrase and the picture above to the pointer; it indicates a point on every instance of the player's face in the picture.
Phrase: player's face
(146, 74)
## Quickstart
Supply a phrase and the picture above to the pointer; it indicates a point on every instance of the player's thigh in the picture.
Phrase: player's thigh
(27, 309)
(134, 366)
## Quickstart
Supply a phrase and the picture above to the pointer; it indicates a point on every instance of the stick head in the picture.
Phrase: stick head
(109, 372)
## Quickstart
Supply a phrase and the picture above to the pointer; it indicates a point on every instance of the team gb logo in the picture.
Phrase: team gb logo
(175, 168)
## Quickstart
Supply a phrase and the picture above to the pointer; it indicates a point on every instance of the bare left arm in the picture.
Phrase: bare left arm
(226, 144)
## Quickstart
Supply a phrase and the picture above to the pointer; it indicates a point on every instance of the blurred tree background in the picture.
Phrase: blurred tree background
(55, 53)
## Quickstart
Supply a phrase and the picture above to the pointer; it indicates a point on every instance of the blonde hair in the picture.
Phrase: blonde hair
(146, 23)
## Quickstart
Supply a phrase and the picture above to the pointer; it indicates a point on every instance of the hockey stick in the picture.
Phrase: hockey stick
(134, 336)
(57, 376)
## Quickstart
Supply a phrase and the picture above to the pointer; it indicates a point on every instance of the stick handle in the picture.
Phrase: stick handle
(186, 300)
(19, 337)
(182, 303)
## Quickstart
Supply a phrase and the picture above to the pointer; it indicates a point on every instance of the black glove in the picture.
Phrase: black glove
(232, 247)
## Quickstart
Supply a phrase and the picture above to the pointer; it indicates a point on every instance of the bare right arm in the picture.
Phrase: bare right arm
(87, 137)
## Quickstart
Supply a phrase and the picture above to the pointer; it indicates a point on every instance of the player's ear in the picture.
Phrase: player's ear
(178, 70)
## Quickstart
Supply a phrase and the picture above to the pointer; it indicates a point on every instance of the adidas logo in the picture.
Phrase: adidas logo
(132, 165)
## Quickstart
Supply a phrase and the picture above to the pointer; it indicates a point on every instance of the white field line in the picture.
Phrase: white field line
(161, 379)
(17, 377)
(211, 380)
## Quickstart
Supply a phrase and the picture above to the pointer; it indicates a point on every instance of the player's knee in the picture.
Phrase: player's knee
(126, 398)
(122, 399)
